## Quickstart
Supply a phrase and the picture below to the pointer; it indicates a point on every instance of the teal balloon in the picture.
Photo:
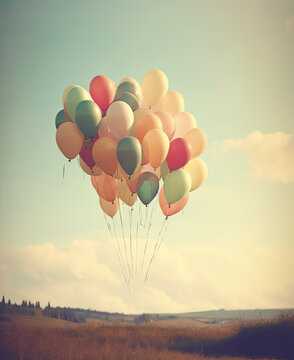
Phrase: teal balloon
(60, 118)
(128, 98)
(73, 98)
(176, 185)
(129, 87)
(88, 117)
(129, 154)
(147, 187)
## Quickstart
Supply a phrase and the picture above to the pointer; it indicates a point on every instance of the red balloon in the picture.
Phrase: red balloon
(86, 152)
(179, 154)
(102, 90)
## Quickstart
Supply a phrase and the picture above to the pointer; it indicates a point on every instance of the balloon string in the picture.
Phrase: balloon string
(122, 264)
(147, 236)
(137, 234)
(123, 233)
(157, 246)
(116, 251)
(63, 172)
(131, 244)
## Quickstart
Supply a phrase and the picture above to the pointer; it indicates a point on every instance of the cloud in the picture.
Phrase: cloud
(269, 155)
(185, 276)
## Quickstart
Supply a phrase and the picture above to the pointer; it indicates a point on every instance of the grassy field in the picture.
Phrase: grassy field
(27, 338)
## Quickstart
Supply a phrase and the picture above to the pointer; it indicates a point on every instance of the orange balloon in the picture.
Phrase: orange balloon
(106, 186)
(69, 139)
(172, 209)
(155, 147)
(197, 141)
(146, 123)
(65, 93)
(94, 171)
(104, 155)
(108, 207)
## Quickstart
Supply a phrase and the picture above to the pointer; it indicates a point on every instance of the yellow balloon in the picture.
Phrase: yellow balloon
(197, 140)
(69, 139)
(95, 170)
(198, 172)
(173, 103)
(109, 208)
(155, 147)
(154, 86)
(125, 193)
(65, 93)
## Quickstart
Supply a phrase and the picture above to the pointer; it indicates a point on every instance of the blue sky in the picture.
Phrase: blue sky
(233, 63)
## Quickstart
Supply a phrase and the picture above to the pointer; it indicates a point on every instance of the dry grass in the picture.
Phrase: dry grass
(145, 342)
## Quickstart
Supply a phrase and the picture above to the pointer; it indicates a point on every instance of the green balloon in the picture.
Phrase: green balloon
(176, 185)
(147, 187)
(60, 118)
(128, 98)
(88, 117)
(129, 87)
(129, 154)
(164, 170)
(73, 98)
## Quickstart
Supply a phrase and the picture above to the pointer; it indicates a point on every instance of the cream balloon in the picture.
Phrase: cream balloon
(69, 139)
(154, 86)
(198, 172)
(120, 119)
(155, 108)
(197, 140)
(108, 207)
(184, 122)
(94, 171)
(173, 103)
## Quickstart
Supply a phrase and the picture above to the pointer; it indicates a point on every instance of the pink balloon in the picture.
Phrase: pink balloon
(179, 154)
(86, 152)
(102, 90)
(168, 123)
(104, 130)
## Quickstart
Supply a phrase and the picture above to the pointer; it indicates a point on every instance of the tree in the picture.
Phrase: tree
(3, 300)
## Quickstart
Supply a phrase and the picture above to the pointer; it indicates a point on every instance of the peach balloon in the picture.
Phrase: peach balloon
(69, 139)
(108, 207)
(125, 193)
(104, 155)
(106, 186)
(173, 103)
(184, 122)
(168, 123)
(149, 168)
(120, 119)
(155, 147)
(197, 141)
(94, 171)
(146, 123)
(137, 114)
(174, 208)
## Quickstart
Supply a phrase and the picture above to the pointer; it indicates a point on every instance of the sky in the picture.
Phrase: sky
(232, 61)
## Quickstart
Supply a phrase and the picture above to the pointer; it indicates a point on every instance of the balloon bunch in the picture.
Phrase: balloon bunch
(128, 138)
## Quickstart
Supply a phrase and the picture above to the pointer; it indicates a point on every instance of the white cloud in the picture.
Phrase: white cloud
(185, 276)
(270, 156)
